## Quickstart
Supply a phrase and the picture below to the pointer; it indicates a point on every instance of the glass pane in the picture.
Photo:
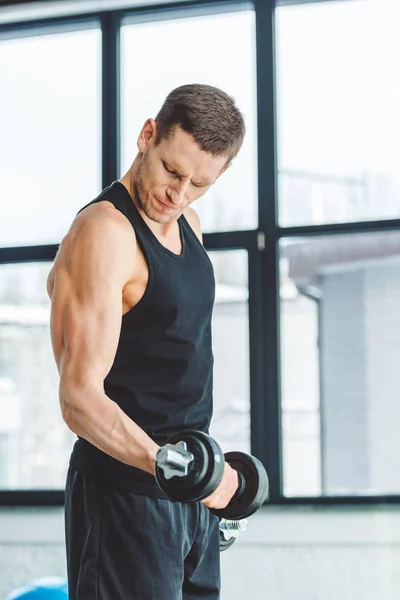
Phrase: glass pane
(50, 149)
(340, 340)
(35, 443)
(337, 108)
(231, 422)
(231, 204)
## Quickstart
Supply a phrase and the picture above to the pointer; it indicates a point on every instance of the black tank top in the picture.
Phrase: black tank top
(162, 373)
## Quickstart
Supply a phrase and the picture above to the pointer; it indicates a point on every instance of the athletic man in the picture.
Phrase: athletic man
(132, 292)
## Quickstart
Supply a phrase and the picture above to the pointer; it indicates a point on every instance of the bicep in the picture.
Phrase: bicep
(85, 327)
(86, 309)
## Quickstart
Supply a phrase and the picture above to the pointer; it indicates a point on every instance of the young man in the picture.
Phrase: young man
(132, 292)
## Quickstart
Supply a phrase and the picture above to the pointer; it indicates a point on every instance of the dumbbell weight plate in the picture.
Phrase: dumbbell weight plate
(204, 472)
(225, 544)
(255, 491)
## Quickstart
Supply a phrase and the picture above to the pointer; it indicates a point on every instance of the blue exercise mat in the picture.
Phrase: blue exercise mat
(46, 588)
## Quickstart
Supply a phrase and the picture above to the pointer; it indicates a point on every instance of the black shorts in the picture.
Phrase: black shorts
(125, 546)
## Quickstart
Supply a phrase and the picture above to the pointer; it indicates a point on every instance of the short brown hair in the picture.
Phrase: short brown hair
(208, 114)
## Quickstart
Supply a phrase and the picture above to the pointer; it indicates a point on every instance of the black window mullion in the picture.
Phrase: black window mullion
(22, 254)
(31, 497)
(110, 27)
(339, 228)
(271, 367)
(229, 240)
(268, 436)
(266, 140)
(258, 416)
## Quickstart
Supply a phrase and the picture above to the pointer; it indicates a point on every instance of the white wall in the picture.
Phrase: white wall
(286, 553)
(316, 554)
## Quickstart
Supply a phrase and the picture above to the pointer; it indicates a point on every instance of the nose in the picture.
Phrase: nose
(177, 191)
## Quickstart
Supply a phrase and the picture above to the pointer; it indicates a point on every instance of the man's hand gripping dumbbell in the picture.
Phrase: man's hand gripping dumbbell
(191, 467)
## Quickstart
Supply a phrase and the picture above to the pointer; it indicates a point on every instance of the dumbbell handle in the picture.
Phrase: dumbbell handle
(241, 486)
(231, 528)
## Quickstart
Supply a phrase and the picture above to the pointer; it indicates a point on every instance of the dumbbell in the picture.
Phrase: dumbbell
(229, 531)
(190, 466)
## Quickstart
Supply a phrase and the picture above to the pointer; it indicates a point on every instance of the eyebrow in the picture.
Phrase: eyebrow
(177, 171)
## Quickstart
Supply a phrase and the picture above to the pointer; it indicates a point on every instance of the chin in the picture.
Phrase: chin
(153, 214)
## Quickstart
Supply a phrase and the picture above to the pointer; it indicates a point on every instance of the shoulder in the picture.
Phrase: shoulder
(101, 215)
(100, 232)
(194, 221)
(101, 222)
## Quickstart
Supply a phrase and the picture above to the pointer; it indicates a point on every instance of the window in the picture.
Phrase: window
(50, 145)
(309, 355)
(231, 422)
(340, 338)
(338, 92)
(35, 442)
(148, 76)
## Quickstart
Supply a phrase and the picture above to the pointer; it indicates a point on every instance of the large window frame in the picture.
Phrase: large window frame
(262, 244)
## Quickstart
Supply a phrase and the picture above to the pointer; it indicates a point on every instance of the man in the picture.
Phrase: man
(132, 292)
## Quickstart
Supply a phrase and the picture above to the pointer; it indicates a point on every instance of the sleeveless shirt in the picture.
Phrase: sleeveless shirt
(162, 374)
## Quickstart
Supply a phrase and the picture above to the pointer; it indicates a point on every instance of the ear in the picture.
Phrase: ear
(147, 136)
(224, 169)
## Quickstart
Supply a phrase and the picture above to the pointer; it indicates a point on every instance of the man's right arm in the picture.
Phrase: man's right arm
(92, 267)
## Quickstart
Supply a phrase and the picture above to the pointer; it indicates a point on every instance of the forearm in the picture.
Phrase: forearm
(96, 418)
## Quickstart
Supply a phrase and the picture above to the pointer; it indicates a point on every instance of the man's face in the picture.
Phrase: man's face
(172, 175)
